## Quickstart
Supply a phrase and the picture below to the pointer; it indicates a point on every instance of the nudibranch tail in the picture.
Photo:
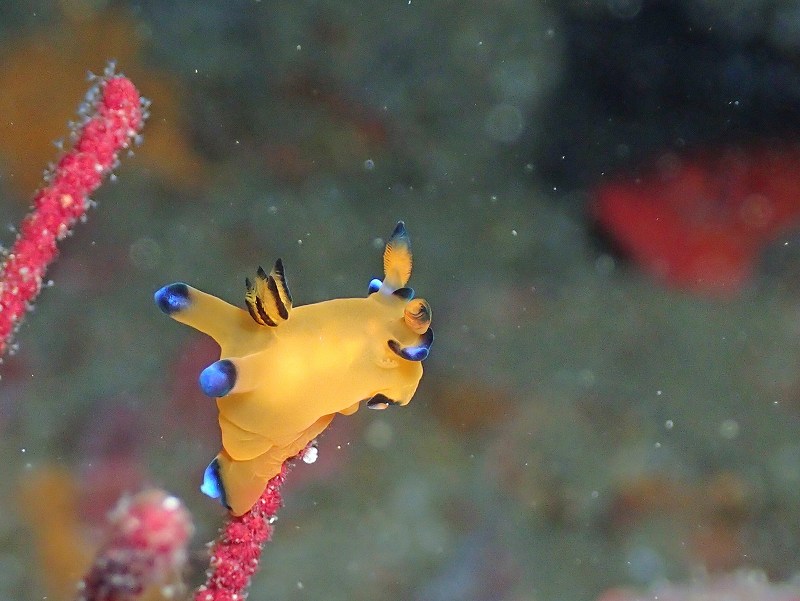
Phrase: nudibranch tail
(238, 484)
(397, 259)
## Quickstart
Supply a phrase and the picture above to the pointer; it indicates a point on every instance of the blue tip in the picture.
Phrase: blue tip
(172, 298)
(418, 352)
(212, 483)
(374, 285)
(218, 379)
(400, 235)
(399, 231)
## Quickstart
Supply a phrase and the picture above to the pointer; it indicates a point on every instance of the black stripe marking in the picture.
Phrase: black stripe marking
(252, 310)
(282, 276)
(267, 320)
(273, 289)
(249, 301)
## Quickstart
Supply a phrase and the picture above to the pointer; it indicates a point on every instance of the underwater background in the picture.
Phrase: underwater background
(604, 207)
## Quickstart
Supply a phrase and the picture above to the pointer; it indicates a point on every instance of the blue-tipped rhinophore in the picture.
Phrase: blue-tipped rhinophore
(218, 379)
(212, 483)
(400, 233)
(374, 285)
(172, 298)
(417, 352)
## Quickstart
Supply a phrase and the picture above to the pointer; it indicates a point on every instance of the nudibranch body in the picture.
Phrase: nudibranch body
(285, 371)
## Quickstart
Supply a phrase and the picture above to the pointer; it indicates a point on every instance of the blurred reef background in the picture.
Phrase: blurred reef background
(604, 208)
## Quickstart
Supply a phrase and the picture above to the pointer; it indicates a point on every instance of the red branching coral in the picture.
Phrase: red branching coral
(235, 554)
(146, 546)
(111, 117)
(700, 221)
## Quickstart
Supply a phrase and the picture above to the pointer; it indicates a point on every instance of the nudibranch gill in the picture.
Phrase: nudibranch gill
(285, 371)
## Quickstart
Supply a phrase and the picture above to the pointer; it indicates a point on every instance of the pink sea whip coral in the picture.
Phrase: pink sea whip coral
(149, 532)
(146, 546)
(236, 553)
(111, 117)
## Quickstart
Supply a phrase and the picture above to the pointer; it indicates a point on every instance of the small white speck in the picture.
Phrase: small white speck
(171, 503)
(298, 47)
(311, 454)
(514, 233)
(668, 424)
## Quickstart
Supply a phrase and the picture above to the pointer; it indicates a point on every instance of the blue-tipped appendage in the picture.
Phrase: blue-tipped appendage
(418, 352)
(218, 379)
(400, 234)
(212, 483)
(173, 298)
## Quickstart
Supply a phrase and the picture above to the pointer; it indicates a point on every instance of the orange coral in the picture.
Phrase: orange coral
(42, 74)
(49, 501)
(49, 498)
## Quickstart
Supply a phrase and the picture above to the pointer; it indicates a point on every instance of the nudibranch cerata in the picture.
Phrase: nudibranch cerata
(285, 371)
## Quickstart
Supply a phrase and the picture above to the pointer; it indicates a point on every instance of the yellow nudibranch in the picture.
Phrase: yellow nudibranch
(285, 371)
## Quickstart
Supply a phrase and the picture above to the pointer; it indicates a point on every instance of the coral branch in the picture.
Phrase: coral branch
(235, 554)
(146, 546)
(111, 117)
